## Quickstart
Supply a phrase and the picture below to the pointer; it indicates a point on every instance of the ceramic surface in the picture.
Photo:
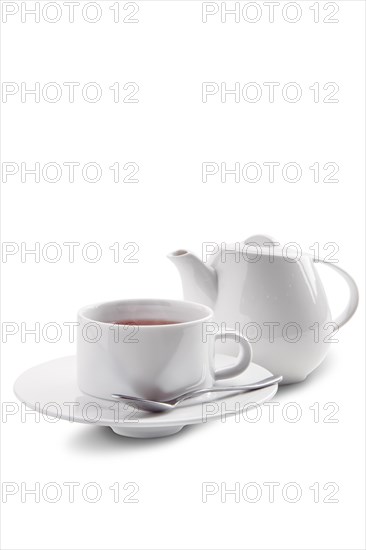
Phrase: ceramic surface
(157, 362)
(52, 388)
(276, 300)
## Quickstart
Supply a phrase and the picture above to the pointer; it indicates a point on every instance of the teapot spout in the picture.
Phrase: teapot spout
(198, 279)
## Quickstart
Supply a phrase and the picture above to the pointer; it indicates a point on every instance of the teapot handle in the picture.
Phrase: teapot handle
(353, 298)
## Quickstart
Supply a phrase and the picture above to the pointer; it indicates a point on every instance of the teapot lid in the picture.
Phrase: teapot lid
(261, 240)
(292, 251)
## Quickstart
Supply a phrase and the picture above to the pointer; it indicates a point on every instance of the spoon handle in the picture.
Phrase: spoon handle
(239, 389)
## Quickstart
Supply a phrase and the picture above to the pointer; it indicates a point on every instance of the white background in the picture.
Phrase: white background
(169, 133)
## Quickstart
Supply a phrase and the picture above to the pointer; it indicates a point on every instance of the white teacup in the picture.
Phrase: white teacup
(154, 361)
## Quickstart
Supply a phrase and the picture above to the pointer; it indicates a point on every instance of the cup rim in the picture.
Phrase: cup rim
(140, 301)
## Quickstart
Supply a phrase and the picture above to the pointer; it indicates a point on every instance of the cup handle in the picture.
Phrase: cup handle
(243, 359)
(351, 307)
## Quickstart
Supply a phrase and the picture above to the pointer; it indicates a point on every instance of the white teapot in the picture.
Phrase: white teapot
(275, 300)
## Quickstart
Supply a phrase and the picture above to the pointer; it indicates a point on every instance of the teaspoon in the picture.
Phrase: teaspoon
(161, 406)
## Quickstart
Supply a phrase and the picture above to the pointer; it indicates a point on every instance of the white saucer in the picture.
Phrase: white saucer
(51, 388)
